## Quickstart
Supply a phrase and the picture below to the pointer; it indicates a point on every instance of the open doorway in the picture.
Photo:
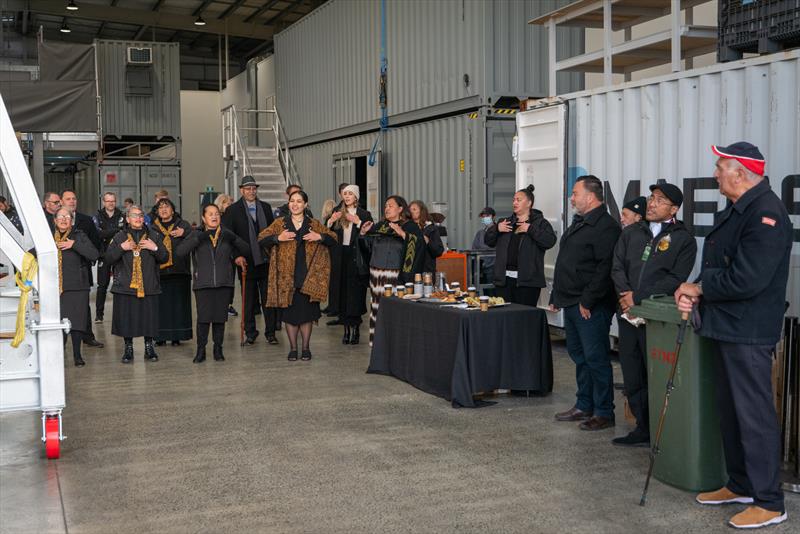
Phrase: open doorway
(351, 169)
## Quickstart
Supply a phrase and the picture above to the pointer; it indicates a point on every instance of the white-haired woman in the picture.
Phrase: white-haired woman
(352, 270)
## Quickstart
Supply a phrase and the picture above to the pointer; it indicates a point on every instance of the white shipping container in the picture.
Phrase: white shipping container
(634, 135)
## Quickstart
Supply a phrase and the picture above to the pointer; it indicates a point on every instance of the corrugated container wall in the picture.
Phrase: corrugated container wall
(422, 161)
(328, 64)
(663, 130)
(158, 115)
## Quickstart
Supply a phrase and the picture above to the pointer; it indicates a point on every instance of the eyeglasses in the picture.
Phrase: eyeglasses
(56, 202)
(62, 217)
(136, 215)
(659, 201)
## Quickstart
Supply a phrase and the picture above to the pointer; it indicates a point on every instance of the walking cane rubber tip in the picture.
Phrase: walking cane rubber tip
(685, 316)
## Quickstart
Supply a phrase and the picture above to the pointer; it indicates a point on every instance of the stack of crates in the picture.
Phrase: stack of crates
(757, 26)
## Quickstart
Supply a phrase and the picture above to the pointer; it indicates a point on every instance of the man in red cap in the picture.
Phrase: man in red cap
(740, 296)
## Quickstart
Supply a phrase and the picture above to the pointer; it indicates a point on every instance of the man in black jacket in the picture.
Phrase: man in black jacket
(84, 223)
(741, 292)
(108, 220)
(246, 218)
(652, 257)
(51, 202)
(582, 287)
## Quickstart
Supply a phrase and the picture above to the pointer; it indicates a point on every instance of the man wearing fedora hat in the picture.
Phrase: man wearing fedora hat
(246, 218)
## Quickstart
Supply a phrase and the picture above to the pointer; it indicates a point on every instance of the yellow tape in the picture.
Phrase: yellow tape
(24, 280)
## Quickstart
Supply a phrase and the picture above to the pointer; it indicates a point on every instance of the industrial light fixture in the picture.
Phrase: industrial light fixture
(72, 6)
(64, 28)
(200, 21)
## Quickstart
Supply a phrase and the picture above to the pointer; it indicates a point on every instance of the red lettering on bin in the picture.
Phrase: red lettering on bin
(662, 355)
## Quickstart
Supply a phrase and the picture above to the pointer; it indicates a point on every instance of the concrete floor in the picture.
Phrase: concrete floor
(260, 444)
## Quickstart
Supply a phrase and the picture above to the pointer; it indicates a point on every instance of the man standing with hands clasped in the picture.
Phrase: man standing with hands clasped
(740, 295)
(582, 286)
(652, 257)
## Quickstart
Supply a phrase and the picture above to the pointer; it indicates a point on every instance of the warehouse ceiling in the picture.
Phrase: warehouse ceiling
(248, 24)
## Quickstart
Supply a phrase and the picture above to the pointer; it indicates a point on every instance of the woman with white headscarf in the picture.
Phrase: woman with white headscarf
(353, 268)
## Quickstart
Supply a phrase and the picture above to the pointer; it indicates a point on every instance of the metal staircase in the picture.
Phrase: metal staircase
(264, 157)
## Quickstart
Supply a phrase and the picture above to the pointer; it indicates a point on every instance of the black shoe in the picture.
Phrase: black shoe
(93, 343)
(218, 356)
(160, 343)
(292, 356)
(98, 319)
(355, 335)
(232, 312)
(306, 355)
(634, 439)
(150, 352)
(250, 340)
(176, 343)
(330, 314)
(127, 356)
(200, 357)
(271, 339)
(334, 322)
(79, 361)
(346, 338)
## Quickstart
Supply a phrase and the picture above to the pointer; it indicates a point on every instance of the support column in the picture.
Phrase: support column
(37, 170)
(551, 57)
(675, 18)
(608, 73)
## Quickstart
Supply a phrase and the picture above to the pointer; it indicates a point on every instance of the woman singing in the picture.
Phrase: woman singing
(430, 232)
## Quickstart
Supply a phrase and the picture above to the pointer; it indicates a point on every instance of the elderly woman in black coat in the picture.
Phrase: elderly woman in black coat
(213, 250)
(430, 233)
(75, 256)
(175, 301)
(135, 254)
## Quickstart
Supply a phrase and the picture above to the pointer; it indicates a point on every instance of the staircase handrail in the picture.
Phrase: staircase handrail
(285, 157)
(231, 136)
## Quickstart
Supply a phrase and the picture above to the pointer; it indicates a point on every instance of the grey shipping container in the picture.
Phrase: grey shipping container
(139, 98)
(443, 56)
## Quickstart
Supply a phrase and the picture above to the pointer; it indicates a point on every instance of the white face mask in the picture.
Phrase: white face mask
(486, 221)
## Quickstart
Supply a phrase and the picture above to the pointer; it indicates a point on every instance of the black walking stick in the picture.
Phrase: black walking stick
(241, 322)
(654, 449)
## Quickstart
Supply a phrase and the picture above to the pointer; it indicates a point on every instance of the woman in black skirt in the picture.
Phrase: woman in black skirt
(299, 270)
(175, 301)
(214, 250)
(430, 233)
(75, 255)
(353, 270)
(135, 254)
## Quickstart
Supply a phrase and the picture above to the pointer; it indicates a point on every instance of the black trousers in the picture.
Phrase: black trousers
(218, 331)
(89, 334)
(749, 424)
(255, 295)
(528, 296)
(103, 281)
(632, 351)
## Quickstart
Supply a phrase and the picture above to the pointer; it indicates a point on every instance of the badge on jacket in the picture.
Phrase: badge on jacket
(663, 243)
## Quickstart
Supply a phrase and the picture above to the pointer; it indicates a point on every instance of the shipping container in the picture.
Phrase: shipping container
(443, 56)
(633, 135)
(460, 160)
(140, 180)
(139, 86)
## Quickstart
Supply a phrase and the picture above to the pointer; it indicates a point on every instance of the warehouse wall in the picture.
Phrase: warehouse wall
(201, 163)
(327, 78)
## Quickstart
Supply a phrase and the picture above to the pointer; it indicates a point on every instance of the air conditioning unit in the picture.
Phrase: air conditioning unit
(140, 56)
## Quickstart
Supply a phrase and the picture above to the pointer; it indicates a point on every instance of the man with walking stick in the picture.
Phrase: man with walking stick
(740, 295)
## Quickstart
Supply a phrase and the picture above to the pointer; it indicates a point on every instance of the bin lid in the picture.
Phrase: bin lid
(658, 308)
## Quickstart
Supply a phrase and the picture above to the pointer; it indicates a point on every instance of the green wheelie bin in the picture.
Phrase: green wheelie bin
(690, 456)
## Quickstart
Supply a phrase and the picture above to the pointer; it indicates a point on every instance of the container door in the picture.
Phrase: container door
(500, 179)
(540, 155)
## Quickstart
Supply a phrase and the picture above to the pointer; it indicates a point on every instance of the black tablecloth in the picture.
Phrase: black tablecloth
(454, 353)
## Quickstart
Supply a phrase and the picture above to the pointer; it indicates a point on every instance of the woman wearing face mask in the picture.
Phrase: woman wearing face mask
(75, 255)
(486, 217)
(135, 254)
(299, 270)
(430, 233)
(213, 250)
(396, 249)
(353, 271)
(175, 300)
(520, 241)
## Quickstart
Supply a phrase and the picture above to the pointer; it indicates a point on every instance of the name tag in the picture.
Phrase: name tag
(511, 274)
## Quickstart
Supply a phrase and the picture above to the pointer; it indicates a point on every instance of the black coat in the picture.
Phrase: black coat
(107, 227)
(745, 269)
(668, 264)
(122, 262)
(339, 271)
(537, 240)
(85, 224)
(76, 263)
(433, 248)
(386, 250)
(213, 267)
(180, 264)
(237, 220)
(583, 268)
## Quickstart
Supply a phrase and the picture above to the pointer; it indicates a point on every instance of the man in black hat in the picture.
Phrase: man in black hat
(652, 257)
(246, 218)
(741, 294)
(633, 212)
(486, 217)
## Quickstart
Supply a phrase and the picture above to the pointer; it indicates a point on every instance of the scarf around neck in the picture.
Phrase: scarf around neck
(59, 238)
(167, 239)
(137, 280)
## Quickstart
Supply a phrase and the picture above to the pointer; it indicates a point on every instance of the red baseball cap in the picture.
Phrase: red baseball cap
(743, 152)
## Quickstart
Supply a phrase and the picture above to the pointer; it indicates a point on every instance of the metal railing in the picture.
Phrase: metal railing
(233, 149)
